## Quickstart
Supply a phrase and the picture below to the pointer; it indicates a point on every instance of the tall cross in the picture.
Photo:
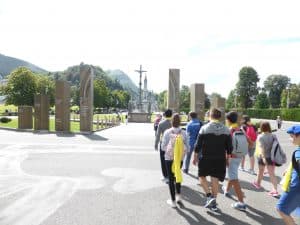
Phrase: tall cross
(140, 86)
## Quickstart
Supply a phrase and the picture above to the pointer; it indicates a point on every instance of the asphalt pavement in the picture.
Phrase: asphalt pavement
(111, 177)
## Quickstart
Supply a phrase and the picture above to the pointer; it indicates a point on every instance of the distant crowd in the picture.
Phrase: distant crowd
(219, 150)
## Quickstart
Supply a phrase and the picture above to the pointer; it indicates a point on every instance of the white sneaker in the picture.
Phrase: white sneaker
(178, 198)
(252, 172)
(165, 180)
(171, 203)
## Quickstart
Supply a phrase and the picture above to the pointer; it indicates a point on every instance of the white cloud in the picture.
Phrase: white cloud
(208, 40)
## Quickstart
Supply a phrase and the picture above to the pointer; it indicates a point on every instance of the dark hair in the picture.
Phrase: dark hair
(245, 119)
(168, 113)
(193, 115)
(265, 127)
(176, 120)
(215, 113)
(232, 117)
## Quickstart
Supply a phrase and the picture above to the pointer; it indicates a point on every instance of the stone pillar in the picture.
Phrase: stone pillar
(198, 100)
(173, 91)
(41, 112)
(86, 98)
(62, 106)
(220, 104)
(25, 117)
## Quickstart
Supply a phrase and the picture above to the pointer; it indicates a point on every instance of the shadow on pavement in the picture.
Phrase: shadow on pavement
(262, 217)
(95, 137)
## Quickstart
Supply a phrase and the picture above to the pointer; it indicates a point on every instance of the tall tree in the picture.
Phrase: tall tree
(291, 97)
(247, 87)
(262, 101)
(101, 94)
(274, 85)
(231, 100)
(46, 86)
(185, 99)
(162, 100)
(21, 87)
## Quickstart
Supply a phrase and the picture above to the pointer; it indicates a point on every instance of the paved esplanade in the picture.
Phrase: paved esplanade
(111, 177)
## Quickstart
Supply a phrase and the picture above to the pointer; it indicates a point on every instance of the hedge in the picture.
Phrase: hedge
(285, 114)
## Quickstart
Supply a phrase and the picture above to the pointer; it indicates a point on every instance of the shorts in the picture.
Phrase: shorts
(212, 167)
(232, 170)
(289, 201)
(269, 162)
(251, 151)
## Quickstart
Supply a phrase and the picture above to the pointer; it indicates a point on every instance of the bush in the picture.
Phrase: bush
(285, 114)
(5, 120)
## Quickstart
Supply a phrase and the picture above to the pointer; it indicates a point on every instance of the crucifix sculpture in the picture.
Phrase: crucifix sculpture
(140, 71)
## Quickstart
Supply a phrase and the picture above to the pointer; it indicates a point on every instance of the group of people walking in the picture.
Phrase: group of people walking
(219, 150)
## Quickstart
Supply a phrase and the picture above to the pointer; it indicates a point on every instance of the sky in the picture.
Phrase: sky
(209, 41)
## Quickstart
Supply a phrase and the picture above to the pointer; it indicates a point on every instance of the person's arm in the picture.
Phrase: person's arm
(198, 147)
(157, 137)
(165, 140)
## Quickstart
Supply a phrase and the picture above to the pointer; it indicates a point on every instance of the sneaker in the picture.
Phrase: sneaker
(185, 171)
(256, 185)
(242, 169)
(210, 201)
(171, 203)
(178, 198)
(165, 180)
(226, 194)
(273, 193)
(214, 207)
(252, 172)
(239, 206)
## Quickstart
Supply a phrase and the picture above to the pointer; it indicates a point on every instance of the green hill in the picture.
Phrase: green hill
(124, 79)
(8, 64)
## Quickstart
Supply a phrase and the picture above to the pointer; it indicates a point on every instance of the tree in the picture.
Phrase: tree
(185, 99)
(21, 87)
(262, 101)
(46, 86)
(101, 94)
(294, 96)
(274, 85)
(246, 87)
(207, 102)
(231, 100)
(162, 100)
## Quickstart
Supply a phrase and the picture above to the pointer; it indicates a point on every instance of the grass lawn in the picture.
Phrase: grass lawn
(75, 126)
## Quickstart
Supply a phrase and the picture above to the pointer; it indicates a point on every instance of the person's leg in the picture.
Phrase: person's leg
(243, 163)
(260, 174)
(288, 220)
(171, 179)
(252, 162)
(273, 179)
(214, 186)
(163, 164)
(187, 160)
(238, 190)
(204, 184)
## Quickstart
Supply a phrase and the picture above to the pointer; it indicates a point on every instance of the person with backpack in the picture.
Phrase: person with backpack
(156, 122)
(290, 199)
(251, 134)
(175, 145)
(192, 131)
(162, 127)
(240, 149)
(212, 150)
(263, 154)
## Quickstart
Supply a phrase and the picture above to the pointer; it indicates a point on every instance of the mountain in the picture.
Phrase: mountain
(8, 64)
(124, 79)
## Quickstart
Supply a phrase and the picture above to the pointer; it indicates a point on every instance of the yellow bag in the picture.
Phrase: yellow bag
(286, 180)
(178, 153)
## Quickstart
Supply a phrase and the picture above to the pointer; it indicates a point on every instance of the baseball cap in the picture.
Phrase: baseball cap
(294, 130)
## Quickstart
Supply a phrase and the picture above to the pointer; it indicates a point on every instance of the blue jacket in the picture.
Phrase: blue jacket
(192, 131)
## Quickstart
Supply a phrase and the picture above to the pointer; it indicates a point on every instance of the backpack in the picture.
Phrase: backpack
(239, 143)
(174, 137)
(277, 154)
